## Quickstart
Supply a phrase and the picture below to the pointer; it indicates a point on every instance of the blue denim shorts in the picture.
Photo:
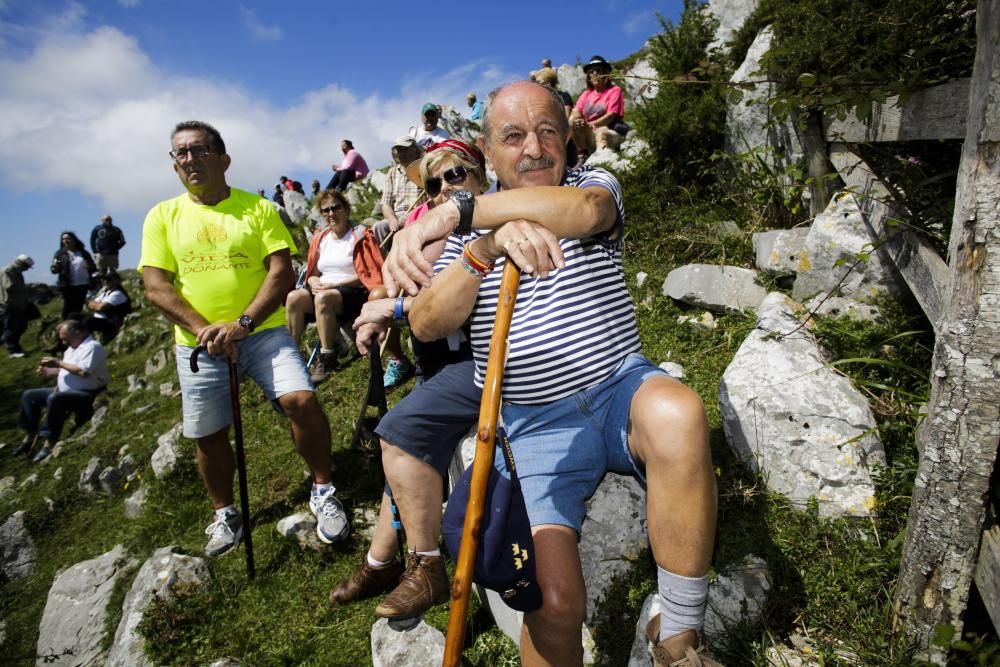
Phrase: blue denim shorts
(270, 357)
(562, 449)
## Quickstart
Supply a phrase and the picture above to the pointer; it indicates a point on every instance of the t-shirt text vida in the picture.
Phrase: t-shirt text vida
(202, 262)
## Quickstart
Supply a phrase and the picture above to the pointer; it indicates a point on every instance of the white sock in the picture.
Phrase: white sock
(325, 350)
(682, 602)
(223, 511)
(435, 552)
(376, 563)
(321, 488)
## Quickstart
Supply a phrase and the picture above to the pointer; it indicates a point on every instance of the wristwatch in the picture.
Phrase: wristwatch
(398, 315)
(466, 202)
(246, 322)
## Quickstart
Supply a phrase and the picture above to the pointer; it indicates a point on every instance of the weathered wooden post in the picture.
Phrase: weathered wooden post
(960, 437)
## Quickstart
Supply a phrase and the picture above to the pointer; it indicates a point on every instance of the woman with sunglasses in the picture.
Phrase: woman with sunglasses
(74, 266)
(332, 288)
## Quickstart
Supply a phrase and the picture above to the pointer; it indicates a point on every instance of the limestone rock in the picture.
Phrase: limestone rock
(166, 571)
(110, 481)
(365, 519)
(90, 475)
(750, 126)
(95, 421)
(166, 388)
(840, 233)
(704, 321)
(157, 362)
(839, 306)
(572, 79)
(57, 475)
(28, 481)
(726, 229)
(396, 644)
(168, 451)
(6, 486)
(73, 621)
(17, 549)
(135, 383)
(458, 125)
(673, 369)
(736, 597)
(128, 468)
(788, 415)
(225, 662)
(641, 83)
(778, 251)
(731, 15)
(296, 206)
(378, 180)
(135, 503)
(640, 279)
(301, 527)
(718, 288)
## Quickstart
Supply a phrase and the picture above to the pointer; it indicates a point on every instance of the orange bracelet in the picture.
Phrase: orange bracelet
(479, 265)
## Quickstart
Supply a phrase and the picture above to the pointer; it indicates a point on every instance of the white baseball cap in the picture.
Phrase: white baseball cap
(24, 259)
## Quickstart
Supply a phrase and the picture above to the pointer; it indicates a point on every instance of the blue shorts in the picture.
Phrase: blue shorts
(270, 357)
(562, 449)
(430, 422)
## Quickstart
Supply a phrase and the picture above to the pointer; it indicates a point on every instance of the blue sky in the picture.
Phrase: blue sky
(91, 89)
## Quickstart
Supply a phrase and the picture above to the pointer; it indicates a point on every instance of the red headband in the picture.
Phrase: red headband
(470, 153)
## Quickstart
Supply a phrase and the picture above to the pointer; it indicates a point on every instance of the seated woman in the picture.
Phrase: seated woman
(332, 288)
(448, 166)
(598, 110)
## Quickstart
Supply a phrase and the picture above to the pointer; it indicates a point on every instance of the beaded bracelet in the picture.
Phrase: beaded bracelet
(481, 267)
(470, 269)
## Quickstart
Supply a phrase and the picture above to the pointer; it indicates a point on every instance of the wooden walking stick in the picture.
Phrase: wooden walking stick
(489, 409)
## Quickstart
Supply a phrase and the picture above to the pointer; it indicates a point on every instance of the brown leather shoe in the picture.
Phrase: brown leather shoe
(366, 582)
(423, 585)
(687, 649)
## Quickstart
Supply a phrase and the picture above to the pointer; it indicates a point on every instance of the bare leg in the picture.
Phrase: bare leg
(417, 488)
(216, 465)
(310, 432)
(385, 543)
(553, 634)
(298, 303)
(329, 304)
(394, 344)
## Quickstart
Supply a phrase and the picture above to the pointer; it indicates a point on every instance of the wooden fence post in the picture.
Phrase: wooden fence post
(959, 439)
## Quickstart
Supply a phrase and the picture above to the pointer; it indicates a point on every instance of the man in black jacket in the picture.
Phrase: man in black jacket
(105, 242)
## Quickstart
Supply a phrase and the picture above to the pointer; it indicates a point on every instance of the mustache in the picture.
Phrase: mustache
(529, 164)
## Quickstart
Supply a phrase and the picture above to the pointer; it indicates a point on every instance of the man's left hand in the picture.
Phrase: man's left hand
(408, 268)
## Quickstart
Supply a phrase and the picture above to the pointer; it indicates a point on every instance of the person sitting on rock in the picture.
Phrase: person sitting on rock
(400, 193)
(598, 110)
(429, 133)
(80, 375)
(574, 362)
(351, 168)
(332, 289)
(14, 303)
(427, 424)
(475, 106)
(108, 308)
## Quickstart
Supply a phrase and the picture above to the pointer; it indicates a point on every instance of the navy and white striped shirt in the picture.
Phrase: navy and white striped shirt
(571, 329)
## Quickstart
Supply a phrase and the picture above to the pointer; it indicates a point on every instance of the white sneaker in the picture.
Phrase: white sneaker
(331, 521)
(224, 534)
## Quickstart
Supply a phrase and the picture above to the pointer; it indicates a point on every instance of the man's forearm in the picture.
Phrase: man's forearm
(174, 307)
(566, 212)
(445, 305)
(279, 282)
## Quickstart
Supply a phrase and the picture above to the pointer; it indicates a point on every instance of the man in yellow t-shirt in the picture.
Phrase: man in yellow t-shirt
(217, 261)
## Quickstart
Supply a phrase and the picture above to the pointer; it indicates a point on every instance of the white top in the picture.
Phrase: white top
(78, 274)
(90, 356)
(336, 258)
(111, 297)
(571, 329)
(427, 139)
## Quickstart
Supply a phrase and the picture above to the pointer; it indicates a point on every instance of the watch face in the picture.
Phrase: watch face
(462, 196)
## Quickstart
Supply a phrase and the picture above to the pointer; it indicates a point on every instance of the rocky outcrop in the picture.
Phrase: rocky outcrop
(17, 549)
(779, 252)
(718, 288)
(406, 643)
(572, 79)
(296, 206)
(168, 451)
(831, 250)
(73, 620)
(839, 306)
(731, 15)
(641, 83)
(796, 421)
(166, 571)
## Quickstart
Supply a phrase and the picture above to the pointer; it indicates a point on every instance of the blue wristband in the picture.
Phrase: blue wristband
(398, 316)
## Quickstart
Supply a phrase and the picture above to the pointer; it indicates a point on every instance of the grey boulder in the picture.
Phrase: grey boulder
(168, 451)
(719, 289)
(17, 549)
(396, 643)
(778, 252)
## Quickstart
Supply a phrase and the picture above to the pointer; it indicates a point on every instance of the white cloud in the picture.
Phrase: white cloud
(257, 29)
(637, 22)
(90, 112)
(129, 4)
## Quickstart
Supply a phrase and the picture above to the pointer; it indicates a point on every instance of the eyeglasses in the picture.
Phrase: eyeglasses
(327, 210)
(454, 176)
(179, 154)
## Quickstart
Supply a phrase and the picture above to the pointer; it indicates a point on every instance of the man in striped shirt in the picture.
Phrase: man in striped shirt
(578, 398)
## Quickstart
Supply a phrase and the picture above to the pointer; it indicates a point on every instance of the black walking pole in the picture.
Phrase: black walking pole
(241, 460)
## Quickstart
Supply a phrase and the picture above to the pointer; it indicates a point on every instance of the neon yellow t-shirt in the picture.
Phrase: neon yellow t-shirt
(216, 253)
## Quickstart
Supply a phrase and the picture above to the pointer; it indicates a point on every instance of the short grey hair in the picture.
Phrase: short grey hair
(557, 106)
(214, 138)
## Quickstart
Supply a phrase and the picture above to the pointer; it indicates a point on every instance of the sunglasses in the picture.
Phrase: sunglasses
(454, 176)
(331, 209)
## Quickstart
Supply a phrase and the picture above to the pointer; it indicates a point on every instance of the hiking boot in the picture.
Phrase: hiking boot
(423, 585)
(331, 520)
(687, 649)
(25, 445)
(397, 371)
(367, 581)
(224, 534)
(43, 453)
(325, 365)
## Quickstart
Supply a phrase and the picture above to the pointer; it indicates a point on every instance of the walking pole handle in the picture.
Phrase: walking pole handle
(489, 409)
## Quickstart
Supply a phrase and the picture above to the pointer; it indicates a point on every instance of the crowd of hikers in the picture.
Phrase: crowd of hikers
(578, 397)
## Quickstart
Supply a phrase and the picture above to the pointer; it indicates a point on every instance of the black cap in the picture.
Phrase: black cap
(597, 61)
